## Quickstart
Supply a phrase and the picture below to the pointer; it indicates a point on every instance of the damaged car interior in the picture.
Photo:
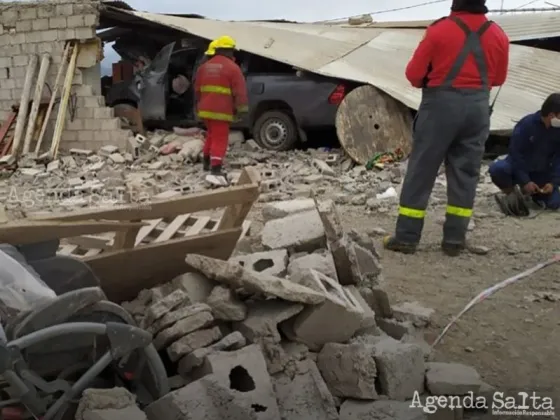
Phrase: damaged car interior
(152, 85)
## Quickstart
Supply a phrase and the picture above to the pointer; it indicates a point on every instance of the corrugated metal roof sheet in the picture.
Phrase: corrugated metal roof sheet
(376, 56)
(519, 27)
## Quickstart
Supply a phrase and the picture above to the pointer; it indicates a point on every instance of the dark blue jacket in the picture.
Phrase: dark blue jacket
(535, 149)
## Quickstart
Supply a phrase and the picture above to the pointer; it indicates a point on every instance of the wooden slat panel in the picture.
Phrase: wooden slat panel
(90, 242)
(172, 228)
(198, 226)
(67, 249)
(92, 252)
(146, 230)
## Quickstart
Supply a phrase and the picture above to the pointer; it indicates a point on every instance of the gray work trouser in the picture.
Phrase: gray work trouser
(451, 125)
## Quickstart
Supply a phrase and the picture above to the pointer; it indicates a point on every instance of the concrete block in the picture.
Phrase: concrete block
(104, 399)
(183, 327)
(64, 9)
(91, 20)
(196, 286)
(23, 26)
(7, 84)
(282, 209)
(299, 232)
(76, 21)
(323, 263)
(25, 13)
(452, 379)
(86, 135)
(245, 372)
(378, 301)
(58, 22)
(380, 410)
(368, 324)
(401, 368)
(304, 396)
(211, 398)
(105, 113)
(9, 16)
(336, 320)
(413, 312)
(66, 34)
(394, 328)
(49, 36)
(175, 316)
(263, 319)
(233, 341)
(128, 413)
(46, 11)
(40, 24)
(331, 220)
(193, 341)
(85, 33)
(225, 304)
(349, 370)
(269, 262)
(6, 94)
(236, 277)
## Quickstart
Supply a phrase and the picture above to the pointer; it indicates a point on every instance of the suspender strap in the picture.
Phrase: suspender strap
(472, 45)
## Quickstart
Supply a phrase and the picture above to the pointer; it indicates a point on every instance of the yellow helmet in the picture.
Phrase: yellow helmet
(211, 48)
(225, 42)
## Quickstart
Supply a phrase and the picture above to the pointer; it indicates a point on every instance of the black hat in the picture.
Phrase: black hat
(469, 6)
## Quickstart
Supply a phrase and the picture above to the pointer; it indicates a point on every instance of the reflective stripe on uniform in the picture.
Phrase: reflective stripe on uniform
(412, 213)
(459, 211)
(221, 116)
(215, 89)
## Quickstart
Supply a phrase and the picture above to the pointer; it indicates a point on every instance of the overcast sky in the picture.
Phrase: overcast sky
(314, 10)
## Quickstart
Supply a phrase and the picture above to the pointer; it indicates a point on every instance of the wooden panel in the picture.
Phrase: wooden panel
(198, 226)
(145, 231)
(124, 273)
(172, 228)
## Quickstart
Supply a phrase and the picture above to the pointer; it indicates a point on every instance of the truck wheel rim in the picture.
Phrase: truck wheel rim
(275, 132)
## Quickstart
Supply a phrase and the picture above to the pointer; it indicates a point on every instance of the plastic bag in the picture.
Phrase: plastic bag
(21, 288)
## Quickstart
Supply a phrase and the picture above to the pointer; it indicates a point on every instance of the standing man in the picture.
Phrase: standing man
(221, 96)
(456, 64)
(533, 161)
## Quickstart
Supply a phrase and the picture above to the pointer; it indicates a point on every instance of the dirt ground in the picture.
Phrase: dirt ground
(511, 339)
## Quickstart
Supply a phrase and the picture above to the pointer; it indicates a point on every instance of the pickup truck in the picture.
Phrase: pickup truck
(284, 103)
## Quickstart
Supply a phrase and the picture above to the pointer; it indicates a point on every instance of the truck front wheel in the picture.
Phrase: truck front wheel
(275, 130)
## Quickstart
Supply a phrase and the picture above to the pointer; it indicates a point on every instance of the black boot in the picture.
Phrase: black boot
(206, 163)
(452, 249)
(217, 176)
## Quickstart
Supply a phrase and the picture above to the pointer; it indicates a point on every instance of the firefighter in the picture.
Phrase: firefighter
(221, 96)
(461, 57)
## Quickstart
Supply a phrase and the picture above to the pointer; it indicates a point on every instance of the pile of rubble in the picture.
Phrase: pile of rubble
(302, 330)
(167, 164)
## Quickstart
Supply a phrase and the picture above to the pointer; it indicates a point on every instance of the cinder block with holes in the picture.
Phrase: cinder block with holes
(274, 263)
(270, 185)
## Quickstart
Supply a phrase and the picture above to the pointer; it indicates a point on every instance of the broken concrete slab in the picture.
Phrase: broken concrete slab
(176, 315)
(304, 396)
(419, 315)
(395, 329)
(264, 317)
(245, 372)
(158, 309)
(274, 262)
(237, 277)
(193, 341)
(323, 263)
(452, 379)
(380, 410)
(225, 304)
(349, 370)
(378, 301)
(368, 324)
(233, 341)
(400, 366)
(282, 209)
(195, 285)
(298, 232)
(331, 220)
(335, 320)
(183, 327)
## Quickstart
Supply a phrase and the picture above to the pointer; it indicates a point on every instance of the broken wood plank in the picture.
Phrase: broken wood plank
(146, 230)
(172, 228)
(124, 273)
(29, 232)
(92, 252)
(90, 242)
(198, 226)
(235, 214)
(67, 249)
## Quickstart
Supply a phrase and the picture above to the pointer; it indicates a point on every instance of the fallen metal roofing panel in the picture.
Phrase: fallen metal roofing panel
(376, 56)
(519, 27)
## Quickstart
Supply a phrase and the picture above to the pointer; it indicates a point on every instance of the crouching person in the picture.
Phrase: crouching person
(533, 161)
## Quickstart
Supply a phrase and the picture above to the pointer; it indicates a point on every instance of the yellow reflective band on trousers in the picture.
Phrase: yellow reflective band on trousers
(412, 213)
(459, 211)
(215, 89)
(209, 115)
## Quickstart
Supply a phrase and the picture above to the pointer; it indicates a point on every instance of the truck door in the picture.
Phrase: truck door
(151, 85)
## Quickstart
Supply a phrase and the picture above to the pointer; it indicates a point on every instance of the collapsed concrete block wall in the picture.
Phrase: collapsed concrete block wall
(45, 27)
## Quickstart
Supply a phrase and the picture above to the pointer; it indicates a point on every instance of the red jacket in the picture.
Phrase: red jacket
(220, 89)
(442, 42)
